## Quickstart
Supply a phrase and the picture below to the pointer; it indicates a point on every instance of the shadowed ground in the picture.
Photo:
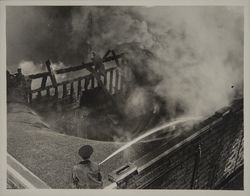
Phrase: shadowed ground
(48, 154)
(51, 155)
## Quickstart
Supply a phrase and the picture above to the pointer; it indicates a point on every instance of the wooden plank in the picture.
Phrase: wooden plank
(74, 68)
(68, 81)
(51, 73)
(56, 92)
(121, 82)
(30, 97)
(106, 54)
(105, 79)
(44, 80)
(79, 88)
(64, 90)
(72, 90)
(39, 94)
(92, 82)
(116, 80)
(85, 66)
(115, 58)
(39, 75)
(111, 82)
(48, 92)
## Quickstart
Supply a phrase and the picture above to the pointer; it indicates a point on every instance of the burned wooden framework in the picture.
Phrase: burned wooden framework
(112, 83)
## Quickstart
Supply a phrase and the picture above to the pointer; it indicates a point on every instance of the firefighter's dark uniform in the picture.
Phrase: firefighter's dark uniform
(86, 174)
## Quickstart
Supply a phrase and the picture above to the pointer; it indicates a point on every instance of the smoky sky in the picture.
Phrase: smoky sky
(39, 33)
(195, 51)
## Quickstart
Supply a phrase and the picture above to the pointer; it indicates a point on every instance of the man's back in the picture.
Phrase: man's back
(87, 175)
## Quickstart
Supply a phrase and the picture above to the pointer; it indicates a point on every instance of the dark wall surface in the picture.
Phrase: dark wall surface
(205, 160)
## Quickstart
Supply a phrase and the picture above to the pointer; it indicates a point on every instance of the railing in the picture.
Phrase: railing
(113, 81)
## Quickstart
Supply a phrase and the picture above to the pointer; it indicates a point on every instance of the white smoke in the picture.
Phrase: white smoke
(199, 50)
(29, 67)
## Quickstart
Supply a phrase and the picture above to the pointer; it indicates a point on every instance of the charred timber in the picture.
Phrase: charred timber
(75, 68)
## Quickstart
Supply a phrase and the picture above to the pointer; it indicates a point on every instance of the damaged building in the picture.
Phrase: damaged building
(162, 109)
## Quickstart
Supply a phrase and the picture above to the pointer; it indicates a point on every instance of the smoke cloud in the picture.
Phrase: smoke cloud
(192, 56)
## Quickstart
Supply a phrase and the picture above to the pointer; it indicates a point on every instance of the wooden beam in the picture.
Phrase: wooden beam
(72, 90)
(75, 68)
(92, 82)
(56, 92)
(69, 81)
(30, 97)
(64, 90)
(106, 54)
(115, 58)
(44, 80)
(79, 88)
(48, 92)
(116, 81)
(51, 73)
(105, 79)
(111, 82)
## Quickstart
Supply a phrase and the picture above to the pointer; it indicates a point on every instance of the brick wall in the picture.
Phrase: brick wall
(202, 161)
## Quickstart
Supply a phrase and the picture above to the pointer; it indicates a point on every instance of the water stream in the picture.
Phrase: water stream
(148, 133)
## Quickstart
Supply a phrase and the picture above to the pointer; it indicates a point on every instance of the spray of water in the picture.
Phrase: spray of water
(150, 132)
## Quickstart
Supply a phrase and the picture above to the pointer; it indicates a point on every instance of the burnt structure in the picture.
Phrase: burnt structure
(57, 92)
(109, 90)
(208, 158)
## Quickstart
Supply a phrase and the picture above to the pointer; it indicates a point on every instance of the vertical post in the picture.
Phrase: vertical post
(52, 77)
(111, 81)
(30, 97)
(64, 90)
(28, 90)
(92, 81)
(115, 58)
(51, 73)
(79, 88)
(44, 80)
(56, 92)
(116, 80)
(98, 83)
(86, 82)
(105, 80)
(39, 95)
(121, 82)
(48, 92)
(72, 89)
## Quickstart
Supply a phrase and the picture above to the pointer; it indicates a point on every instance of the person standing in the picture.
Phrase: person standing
(86, 174)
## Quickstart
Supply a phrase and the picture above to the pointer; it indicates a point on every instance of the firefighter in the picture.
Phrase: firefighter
(86, 174)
